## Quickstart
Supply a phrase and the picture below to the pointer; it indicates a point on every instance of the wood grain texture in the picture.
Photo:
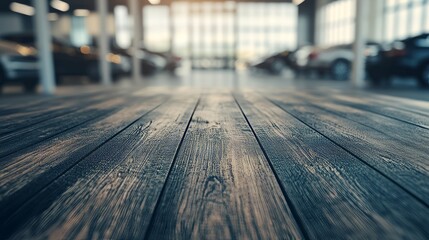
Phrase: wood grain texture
(31, 115)
(24, 173)
(335, 194)
(406, 110)
(112, 193)
(404, 165)
(408, 135)
(221, 186)
(36, 133)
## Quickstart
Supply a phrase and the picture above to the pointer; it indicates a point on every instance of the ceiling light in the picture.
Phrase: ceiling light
(60, 5)
(81, 12)
(297, 2)
(154, 2)
(22, 8)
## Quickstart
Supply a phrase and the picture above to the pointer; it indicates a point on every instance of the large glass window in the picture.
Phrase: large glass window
(337, 20)
(210, 29)
(156, 28)
(405, 18)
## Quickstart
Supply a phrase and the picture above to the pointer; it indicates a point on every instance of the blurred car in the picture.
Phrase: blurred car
(18, 65)
(74, 61)
(405, 58)
(336, 60)
(273, 64)
(299, 58)
(170, 63)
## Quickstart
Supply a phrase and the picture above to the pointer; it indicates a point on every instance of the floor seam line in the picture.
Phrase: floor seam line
(289, 202)
(157, 204)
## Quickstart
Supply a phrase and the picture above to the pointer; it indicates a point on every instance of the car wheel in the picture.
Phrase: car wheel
(424, 76)
(340, 70)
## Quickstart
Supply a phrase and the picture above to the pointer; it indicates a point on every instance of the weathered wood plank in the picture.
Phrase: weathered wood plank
(221, 186)
(400, 103)
(38, 113)
(18, 103)
(34, 134)
(406, 166)
(411, 117)
(407, 110)
(335, 194)
(24, 173)
(112, 193)
(408, 135)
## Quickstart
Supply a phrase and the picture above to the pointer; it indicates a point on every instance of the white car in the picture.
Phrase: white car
(18, 65)
(337, 60)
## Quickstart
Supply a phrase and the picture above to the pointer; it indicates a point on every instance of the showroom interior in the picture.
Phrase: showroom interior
(214, 119)
(182, 37)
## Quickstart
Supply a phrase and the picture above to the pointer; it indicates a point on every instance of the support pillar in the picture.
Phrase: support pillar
(358, 72)
(44, 43)
(136, 13)
(103, 42)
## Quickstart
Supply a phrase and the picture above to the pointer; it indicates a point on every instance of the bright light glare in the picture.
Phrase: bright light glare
(297, 2)
(60, 5)
(81, 12)
(154, 2)
(22, 8)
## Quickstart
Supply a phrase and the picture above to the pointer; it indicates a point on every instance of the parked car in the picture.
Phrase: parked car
(273, 64)
(18, 65)
(170, 63)
(406, 58)
(75, 61)
(298, 59)
(336, 60)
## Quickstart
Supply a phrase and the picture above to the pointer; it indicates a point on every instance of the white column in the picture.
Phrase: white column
(358, 72)
(103, 42)
(136, 12)
(43, 36)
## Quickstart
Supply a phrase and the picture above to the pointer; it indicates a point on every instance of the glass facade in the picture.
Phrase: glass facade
(222, 31)
(405, 18)
(337, 22)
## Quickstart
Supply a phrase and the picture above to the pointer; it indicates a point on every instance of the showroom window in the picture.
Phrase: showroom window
(336, 22)
(209, 29)
(405, 18)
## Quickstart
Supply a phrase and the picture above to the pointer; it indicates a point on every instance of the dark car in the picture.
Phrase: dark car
(406, 58)
(172, 62)
(73, 61)
(147, 64)
(18, 65)
(273, 64)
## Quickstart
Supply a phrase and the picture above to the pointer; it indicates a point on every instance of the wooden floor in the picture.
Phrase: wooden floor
(158, 164)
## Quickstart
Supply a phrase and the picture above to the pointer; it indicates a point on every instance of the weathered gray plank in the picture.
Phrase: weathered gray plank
(408, 167)
(112, 193)
(31, 135)
(413, 117)
(38, 113)
(410, 111)
(221, 186)
(24, 173)
(409, 135)
(335, 194)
